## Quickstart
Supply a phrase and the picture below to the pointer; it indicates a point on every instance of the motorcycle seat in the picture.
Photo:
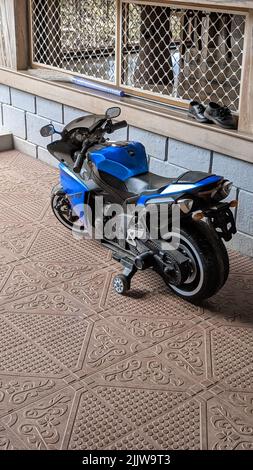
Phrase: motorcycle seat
(151, 183)
(147, 182)
(192, 177)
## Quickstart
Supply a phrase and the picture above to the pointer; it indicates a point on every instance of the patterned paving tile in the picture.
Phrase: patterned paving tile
(242, 380)
(139, 406)
(17, 392)
(187, 352)
(8, 158)
(240, 264)
(9, 441)
(133, 441)
(6, 257)
(229, 421)
(20, 281)
(143, 284)
(50, 302)
(17, 240)
(10, 181)
(150, 331)
(151, 303)
(32, 207)
(178, 429)
(11, 220)
(228, 354)
(234, 303)
(59, 266)
(90, 289)
(5, 271)
(41, 425)
(27, 358)
(107, 345)
(144, 370)
(84, 368)
(45, 241)
(96, 424)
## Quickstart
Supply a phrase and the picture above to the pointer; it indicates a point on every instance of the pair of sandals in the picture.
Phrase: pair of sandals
(212, 113)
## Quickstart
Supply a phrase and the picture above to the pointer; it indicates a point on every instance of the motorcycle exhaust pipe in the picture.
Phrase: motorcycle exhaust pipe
(144, 260)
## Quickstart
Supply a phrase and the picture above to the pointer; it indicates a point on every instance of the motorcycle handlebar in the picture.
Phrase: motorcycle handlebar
(80, 159)
(116, 126)
(78, 163)
(82, 155)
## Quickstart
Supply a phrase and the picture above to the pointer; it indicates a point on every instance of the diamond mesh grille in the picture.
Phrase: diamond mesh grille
(177, 53)
(75, 35)
(186, 54)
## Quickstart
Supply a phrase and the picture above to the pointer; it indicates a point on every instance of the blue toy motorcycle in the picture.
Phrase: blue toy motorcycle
(91, 166)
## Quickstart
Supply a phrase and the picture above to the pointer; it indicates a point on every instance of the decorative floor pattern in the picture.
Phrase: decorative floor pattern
(83, 368)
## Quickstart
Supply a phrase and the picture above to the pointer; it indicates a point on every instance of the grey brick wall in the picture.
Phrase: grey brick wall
(34, 124)
(22, 100)
(188, 156)
(70, 114)
(49, 109)
(5, 94)
(156, 145)
(24, 115)
(14, 119)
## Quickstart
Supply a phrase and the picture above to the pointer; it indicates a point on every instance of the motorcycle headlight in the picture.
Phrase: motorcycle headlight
(185, 205)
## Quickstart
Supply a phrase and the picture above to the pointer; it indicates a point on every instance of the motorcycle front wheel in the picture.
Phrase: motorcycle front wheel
(61, 208)
(208, 261)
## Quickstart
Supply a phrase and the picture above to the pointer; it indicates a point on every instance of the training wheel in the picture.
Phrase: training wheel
(121, 284)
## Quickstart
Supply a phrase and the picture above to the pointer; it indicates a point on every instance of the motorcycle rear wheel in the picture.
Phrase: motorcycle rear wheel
(210, 267)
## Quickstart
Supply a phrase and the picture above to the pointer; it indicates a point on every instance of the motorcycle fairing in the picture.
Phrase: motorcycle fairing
(193, 176)
(63, 151)
(73, 186)
(83, 122)
(180, 188)
(120, 161)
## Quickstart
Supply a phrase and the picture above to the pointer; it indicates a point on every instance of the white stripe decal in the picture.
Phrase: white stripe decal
(173, 188)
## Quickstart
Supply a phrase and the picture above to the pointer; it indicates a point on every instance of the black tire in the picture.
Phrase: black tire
(219, 249)
(121, 284)
(210, 262)
(224, 260)
(57, 197)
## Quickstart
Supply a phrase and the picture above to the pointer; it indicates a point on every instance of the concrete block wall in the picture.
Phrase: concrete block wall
(24, 114)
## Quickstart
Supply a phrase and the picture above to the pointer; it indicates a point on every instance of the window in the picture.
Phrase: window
(159, 52)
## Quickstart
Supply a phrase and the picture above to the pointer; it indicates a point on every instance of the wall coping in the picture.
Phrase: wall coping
(152, 117)
(236, 5)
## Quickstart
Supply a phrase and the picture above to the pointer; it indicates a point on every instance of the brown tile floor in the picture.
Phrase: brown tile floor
(83, 368)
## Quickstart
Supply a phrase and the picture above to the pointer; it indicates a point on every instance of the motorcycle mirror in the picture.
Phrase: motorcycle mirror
(48, 130)
(113, 113)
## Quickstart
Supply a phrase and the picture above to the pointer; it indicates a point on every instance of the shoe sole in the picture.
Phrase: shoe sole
(199, 120)
(219, 124)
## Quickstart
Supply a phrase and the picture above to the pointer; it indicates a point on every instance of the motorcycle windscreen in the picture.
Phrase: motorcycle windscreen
(85, 122)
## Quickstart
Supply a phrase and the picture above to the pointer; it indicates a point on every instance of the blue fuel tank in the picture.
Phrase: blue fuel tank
(120, 159)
